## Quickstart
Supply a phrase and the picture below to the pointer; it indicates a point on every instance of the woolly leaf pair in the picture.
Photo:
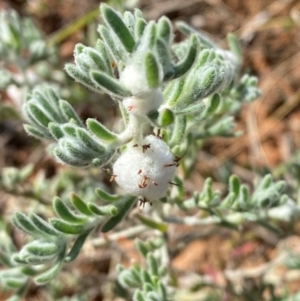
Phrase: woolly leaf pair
(147, 281)
(51, 245)
(131, 60)
(267, 194)
(77, 147)
(44, 106)
(53, 118)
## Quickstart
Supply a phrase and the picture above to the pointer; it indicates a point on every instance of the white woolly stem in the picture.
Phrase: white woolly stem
(133, 131)
(123, 113)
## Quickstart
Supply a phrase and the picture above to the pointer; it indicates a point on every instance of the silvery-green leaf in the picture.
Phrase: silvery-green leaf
(193, 109)
(83, 63)
(229, 201)
(179, 130)
(209, 81)
(78, 49)
(86, 138)
(138, 13)
(67, 228)
(173, 91)
(127, 280)
(69, 112)
(21, 221)
(15, 37)
(148, 38)
(139, 28)
(41, 248)
(39, 116)
(211, 105)
(152, 264)
(162, 118)
(80, 205)
(138, 296)
(107, 197)
(14, 282)
(166, 117)
(35, 132)
(203, 57)
(222, 127)
(38, 51)
(146, 277)
(42, 225)
(149, 222)
(100, 131)
(164, 56)
(152, 70)
(64, 158)
(17, 260)
(65, 213)
(266, 182)
(108, 84)
(204, 82)
(97, 60)
(164, 30)
(162, 290)
(135, 272)
(69, 129)
(74, 149)
(243, 196)
(79, 76)
(234, 184)
(235, 47)
(141, 247)
(280, 186)
(110, 44)
(49, 274)
(115, 22)
(124, 205)
(184, 65)
(153, 115)
(102, 51)
(129, 21)
(51, 95)
(77, 246)
(55, 130)
(103, 210)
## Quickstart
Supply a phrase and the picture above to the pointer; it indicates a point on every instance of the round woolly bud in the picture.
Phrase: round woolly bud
(146, 170)
(148, 102)
(133, 78)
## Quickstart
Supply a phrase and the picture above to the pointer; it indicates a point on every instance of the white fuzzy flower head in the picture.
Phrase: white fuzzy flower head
(146, 170)
(133, 78)
(144, 99)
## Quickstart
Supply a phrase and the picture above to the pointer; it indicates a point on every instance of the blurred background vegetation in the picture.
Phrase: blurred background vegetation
(269, 143)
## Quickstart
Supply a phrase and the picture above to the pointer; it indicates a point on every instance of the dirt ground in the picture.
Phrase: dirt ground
(270, 37)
